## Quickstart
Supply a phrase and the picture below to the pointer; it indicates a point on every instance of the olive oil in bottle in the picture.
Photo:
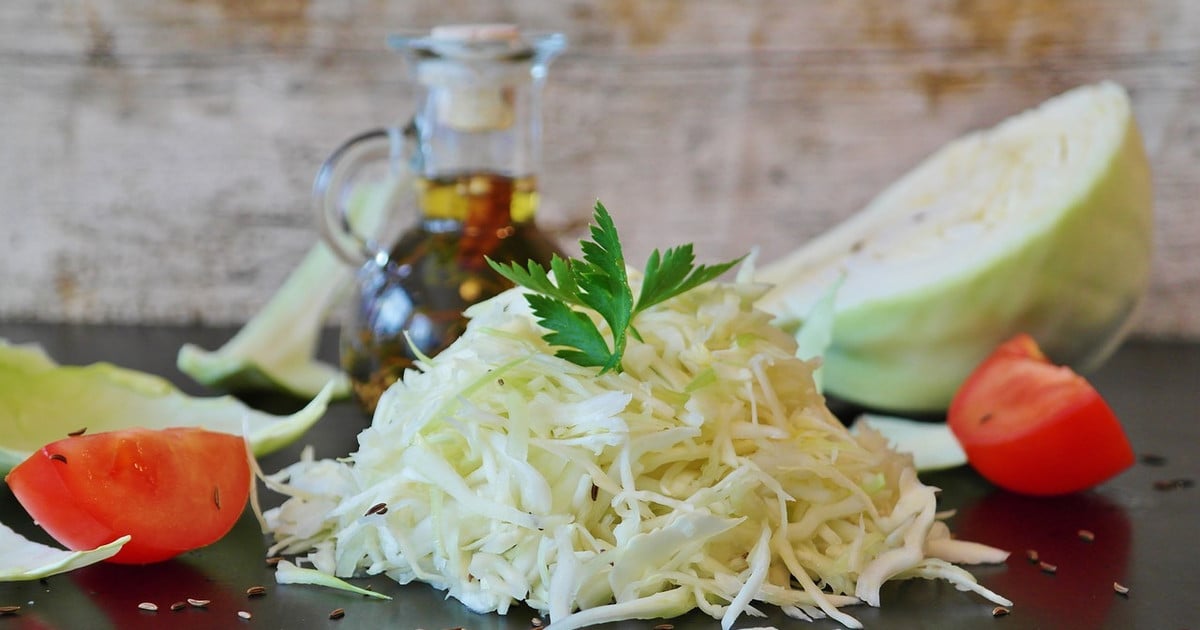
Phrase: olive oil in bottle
(436, 271)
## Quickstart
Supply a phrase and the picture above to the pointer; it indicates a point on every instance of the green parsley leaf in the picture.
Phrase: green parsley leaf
(599, 282)
(673, 273)
(572, 329)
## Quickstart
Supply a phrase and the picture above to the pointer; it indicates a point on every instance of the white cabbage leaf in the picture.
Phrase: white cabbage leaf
(22, 559)
(277, 348)
(931, 444)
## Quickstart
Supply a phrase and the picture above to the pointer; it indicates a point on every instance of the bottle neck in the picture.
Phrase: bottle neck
(479, 129)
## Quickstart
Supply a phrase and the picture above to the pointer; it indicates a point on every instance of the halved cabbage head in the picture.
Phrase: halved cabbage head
(1042, 225)
(42, 401)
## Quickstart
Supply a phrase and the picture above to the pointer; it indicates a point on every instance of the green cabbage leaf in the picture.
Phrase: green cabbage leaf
(42, 401)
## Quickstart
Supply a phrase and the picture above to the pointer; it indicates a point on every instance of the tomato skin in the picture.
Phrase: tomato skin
(171, 490)
(1036, 428)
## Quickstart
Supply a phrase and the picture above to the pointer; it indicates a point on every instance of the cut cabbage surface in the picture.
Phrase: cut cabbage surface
(42, 401)
(1042, 225)
(708, 475)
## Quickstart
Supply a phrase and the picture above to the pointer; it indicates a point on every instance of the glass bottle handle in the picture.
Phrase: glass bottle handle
(353, 198)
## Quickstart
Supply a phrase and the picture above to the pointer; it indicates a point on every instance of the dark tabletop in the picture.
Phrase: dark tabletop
(1145, 536)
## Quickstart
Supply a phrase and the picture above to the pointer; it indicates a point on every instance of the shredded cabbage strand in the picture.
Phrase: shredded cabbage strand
(709, 475)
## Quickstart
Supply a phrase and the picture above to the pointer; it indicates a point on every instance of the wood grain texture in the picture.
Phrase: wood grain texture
(156, 156)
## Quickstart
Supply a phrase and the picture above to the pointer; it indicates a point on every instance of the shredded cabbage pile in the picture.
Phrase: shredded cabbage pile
(708, 474)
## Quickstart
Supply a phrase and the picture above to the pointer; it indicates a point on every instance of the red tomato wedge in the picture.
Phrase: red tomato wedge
(171, 490)
(1030, 426)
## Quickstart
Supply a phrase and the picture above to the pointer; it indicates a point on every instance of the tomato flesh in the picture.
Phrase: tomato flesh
(1033, 427)
(171, 490)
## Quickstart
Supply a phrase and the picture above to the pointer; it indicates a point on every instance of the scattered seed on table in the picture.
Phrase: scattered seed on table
(1150, 459)
(337, 613)
(244, 614)
(1086, 536)
(177, 606)
(273, 560)
(198, 603)
(536, 622)
(1120, 589)
(9, 610)
(1031, 555)
(1046, 567)
(256, 591)
(151, 606)
(77, 432)
(664, 626)
(1000, 611)
(1173, 484)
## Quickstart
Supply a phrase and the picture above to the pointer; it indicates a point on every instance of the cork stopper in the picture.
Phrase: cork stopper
(476, 32)
(471, 95)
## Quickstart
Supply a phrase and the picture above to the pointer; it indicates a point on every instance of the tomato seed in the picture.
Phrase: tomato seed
(337, 613)
(1046, 567)
(151, 606)
(256, 591)
(77, 432)
(1086, 536)
(1000, 611)
(9, 610)
(58, 457)
(217, 496)
(664, 626)
(198, 603)
(177, 606)
(1120, 589)
(244, 614)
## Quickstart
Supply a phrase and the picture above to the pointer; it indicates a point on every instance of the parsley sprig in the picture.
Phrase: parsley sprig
(599, 282)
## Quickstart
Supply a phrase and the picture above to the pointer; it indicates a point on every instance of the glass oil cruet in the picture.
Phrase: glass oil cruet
(468, 160)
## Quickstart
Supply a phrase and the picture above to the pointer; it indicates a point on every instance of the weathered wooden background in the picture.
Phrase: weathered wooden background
(156, 155)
